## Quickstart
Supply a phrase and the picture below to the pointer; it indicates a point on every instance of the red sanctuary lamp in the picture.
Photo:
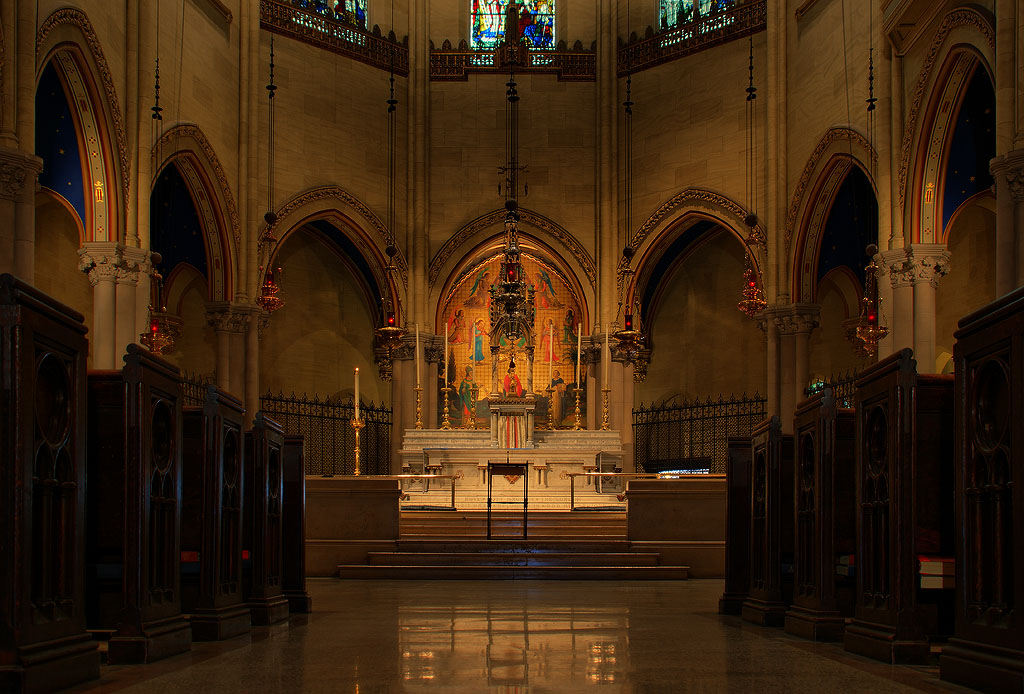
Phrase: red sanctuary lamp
(869, 330)
(163, 328)
(268, 298)
(753, 301)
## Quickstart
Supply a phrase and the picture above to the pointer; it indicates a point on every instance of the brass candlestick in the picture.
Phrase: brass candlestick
(419, 407)
(551, 408)
(604, 409)
(579, 418)
(446, 423)
(474, 392)
(357, 424)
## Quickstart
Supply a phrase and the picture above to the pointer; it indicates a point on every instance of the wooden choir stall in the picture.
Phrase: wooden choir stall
(905, 499)
(293, 571)
(737, 526)
(134, 509)
(987, 650)
(825, 522)
(211, 536)
(43, 642)
(771, 525)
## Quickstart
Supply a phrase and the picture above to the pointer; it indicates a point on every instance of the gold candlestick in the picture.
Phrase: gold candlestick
(446, 423)
(357, 424)
(419, 407)
(579, 418)
(474, 393)
(604, 409)
(551, 408)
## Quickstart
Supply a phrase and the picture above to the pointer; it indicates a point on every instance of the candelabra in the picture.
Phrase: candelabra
(604, 408)
(474, 394)
(579, 414)
(357, 424)
(446, 423)
(551, 407)
(419, 407)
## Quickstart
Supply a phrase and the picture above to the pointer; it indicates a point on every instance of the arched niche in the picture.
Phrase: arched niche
(830, 353)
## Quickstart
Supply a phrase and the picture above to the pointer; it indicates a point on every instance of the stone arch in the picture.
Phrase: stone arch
(836, 155)
(359, 224)
(67, 37)
(186, 147)
(965, 28)
(928, 177)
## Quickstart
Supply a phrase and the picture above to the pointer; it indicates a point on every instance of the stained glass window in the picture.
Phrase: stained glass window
(350, 11)
(536, 23)
(676, 12)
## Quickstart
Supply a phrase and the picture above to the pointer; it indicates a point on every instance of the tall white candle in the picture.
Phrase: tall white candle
(551, 342)
(579, 351)
(356, 399)
(417, 355)
(606, 358)
(445, 357)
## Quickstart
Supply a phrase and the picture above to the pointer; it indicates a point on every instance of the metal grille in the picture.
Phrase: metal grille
(326, 426)
(193, 389)
(842, 386)
(692, 435)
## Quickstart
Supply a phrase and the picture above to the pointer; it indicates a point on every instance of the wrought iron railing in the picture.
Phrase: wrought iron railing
(330, 440)
(743, 19)
(193, 389)
(570, 64)
(314, 23)
(842, 386)
(692, 435)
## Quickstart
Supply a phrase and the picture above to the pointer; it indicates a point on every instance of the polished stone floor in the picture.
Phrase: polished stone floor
(516, 637)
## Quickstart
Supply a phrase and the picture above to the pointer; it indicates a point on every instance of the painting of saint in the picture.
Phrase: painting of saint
(557, 398)
(457, 328)
(569, 329)
(466, 397)
(543, 292)
(478, 340)
(549, 343)
(512, 386)
(479, 291)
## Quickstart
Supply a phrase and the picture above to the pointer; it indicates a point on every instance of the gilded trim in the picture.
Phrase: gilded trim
(714, 202)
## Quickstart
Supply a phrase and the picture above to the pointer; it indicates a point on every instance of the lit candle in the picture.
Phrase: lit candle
(356, 399)
(579, 351)
(606, 358)
(417, 355)
(551, 342)
(445, 357)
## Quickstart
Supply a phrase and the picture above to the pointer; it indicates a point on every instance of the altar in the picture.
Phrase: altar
(551, 456)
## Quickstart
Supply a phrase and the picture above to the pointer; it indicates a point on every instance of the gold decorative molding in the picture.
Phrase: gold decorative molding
(78, 19)
(194, 132)
(956, 18)
(570, 65)
(832, 136)
(715, 202)
(578, 252)
(337, 193)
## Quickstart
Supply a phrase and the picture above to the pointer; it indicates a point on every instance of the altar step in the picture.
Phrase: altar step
(560, 545)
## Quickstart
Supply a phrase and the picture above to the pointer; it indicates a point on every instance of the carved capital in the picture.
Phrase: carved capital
(1010, 168)
(101, 261)
(18, 171)
(405, 351)
(928, 262)
(796, 319)
(433, 353)
(896, 264)
(227, 317)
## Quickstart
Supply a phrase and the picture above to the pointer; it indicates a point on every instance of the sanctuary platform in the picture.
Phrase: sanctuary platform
(550, 462)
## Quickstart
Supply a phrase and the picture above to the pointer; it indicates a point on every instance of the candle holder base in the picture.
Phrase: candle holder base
(419, 407)
(604, 408)
(446, 423)
(357, 425)
(551, 407)
(578, 425)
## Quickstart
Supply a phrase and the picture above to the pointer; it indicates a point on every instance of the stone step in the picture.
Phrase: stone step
(513, 545)
(491, 572)
(522, 558)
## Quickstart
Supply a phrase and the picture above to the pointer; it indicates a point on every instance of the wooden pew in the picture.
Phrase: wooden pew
(987, 651)
(293, 577)
(825, 520)
(134, 508)
(262, 526)
(905, 500)
(43, 642)
(211, 528)
(737, 525)
(771, 525)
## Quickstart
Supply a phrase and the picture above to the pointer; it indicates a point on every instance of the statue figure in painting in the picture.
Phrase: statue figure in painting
(557, 398)
(466, 397)
(457, 327)
(478, 340)
(512, 386)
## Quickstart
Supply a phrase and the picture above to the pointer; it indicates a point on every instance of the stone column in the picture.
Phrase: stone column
(928, 263)
(802, 320)
(1008, 171)
(901, 311)
(787, 370)
(433, 348)
(229, 324)
(766, 322)
(134, 261)
(18, 172)
(258, 321)
(403, 396)
(101, 261)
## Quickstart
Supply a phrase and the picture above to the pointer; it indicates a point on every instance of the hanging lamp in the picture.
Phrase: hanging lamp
(268, 298)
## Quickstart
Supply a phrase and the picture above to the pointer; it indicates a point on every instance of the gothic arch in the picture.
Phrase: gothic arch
(923, 218)
(965, 28)
(353, 219)
(68, 37)
(186, 147)
(837, 154)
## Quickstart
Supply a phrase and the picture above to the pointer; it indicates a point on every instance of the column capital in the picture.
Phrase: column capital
(18, 172)
(1010, 167)
(227, 317)
(896, 264)
(928, 262)
(112, 262)
(796, 319)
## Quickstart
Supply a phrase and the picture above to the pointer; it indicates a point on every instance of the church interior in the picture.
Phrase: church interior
(511, 345)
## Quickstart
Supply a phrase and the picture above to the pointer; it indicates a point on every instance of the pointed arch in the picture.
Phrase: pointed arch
(68, 35)
(187, 148)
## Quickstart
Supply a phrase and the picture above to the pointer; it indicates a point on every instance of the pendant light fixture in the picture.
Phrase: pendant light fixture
(753, 301)
(269, 298)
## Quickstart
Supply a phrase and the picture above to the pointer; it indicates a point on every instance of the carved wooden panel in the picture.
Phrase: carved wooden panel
(737, 528)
